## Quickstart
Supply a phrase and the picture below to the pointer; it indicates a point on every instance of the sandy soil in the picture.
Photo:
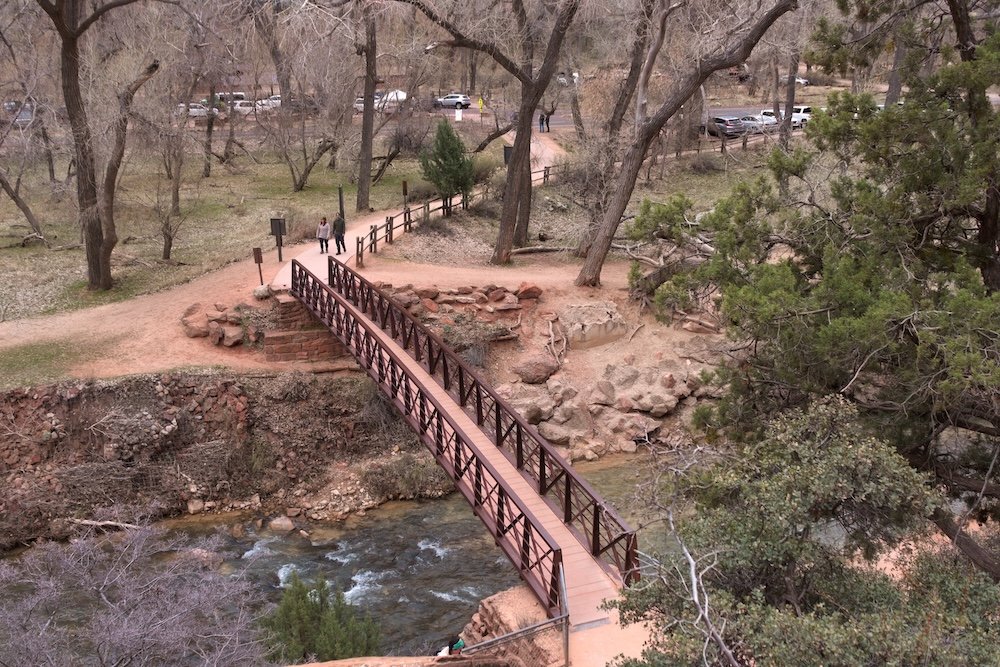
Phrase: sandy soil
(144, 334)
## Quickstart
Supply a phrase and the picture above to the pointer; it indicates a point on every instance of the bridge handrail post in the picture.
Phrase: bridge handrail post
(359, 254)
(541, 471)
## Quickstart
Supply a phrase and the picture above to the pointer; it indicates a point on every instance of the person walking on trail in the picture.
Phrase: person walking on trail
(339, 228)
(548, 117)
(323, 234)
(541, 122)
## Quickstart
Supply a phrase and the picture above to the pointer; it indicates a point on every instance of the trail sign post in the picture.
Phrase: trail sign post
(258, 258)
(277, 231)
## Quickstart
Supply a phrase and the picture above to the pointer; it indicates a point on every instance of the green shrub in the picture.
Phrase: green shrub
(446, 165)
(311, 622)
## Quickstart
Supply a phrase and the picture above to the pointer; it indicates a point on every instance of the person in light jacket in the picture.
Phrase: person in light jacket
(323, 234)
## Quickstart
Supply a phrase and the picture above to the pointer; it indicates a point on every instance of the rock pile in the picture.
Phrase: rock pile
(487, 302)
(223, 325)
(625, 406)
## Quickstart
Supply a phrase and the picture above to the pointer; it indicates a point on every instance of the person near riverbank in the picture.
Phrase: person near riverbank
(339, 229)
(323, 234)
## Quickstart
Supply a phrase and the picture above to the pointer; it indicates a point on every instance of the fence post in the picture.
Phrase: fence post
(373, 239)
(407, 219)
(427, 211)
(545, 176)
(388, 229)
(359, 255)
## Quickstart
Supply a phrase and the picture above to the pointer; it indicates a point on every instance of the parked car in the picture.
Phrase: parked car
(725, 126)
(804, 111)
(273, 102)
(195, 110)
(801, 81)
(244, 107)
(759, 124)
(24, 118)
(454, 101)
(798, 120)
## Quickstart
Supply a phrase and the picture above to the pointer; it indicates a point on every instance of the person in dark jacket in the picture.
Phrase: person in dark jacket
(547, 119)
(541, 122)
(339, 228)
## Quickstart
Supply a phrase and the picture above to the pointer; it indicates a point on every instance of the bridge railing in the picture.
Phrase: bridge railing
(598, 526)
(421, 213)
(515, 529)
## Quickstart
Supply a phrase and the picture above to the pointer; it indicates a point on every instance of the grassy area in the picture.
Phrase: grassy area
(39, 363)
(224, 217)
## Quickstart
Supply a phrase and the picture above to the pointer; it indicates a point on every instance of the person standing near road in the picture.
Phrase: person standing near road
(541, 122)
(339, 228)
(323, 234)
(547, 119)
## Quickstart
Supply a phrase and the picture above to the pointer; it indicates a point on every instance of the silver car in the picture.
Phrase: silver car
(454, 101)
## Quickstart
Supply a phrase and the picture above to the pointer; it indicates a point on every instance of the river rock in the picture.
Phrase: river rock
(554, 433)
(427, 292)
(281, 524)
(262, 292)
(195, 326)
(195, 506)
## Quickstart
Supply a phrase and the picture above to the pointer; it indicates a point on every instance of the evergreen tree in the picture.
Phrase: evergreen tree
(311, 622)
(446, 165)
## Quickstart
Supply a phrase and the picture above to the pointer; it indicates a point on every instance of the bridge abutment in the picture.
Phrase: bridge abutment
(298, 335)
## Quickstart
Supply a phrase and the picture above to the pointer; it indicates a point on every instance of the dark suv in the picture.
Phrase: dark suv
(725, 126)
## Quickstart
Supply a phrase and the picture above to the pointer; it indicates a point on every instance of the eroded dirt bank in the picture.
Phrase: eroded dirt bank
(295, 445)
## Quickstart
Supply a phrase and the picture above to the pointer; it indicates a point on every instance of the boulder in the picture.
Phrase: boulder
(196, 506)
(429, 305)
(427, 292)
(603, 393)
(554, 433)
(281, 524)
(232, 336)
(537, 369)
(215, 333)
(216, 316)
(195, 326)
(509, 302)
(497, 294)
(262, 292)
(592, 324)
(528, 291)
(406, 299)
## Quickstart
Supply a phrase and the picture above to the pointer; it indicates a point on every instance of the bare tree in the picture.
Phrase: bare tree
(72, 20)
(139, 598)
(733, 43)
(521, 27)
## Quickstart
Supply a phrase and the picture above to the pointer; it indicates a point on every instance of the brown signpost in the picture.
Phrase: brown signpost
(258, 258)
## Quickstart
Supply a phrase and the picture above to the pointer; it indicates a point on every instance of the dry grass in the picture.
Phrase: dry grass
(225, 217)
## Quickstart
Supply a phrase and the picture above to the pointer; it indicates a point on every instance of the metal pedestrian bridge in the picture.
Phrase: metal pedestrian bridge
(570, 547)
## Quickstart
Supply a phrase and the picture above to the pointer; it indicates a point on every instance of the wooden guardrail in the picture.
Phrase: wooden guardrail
(515, 529)
(595, 523)
(409, 216)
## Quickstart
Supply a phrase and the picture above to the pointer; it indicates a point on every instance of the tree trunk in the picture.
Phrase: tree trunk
(265, 20)
(50, 160)
(520, 159)
(23, 206)
(168, 244)
(895, 78)
(368, 116)
(981, 557)
(86, 168)
(175, 181)
(206, 169)
(524, 208)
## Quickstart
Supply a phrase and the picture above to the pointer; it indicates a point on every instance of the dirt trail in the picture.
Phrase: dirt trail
(144, 334)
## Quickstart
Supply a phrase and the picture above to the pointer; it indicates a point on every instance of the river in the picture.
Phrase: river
(420, 568)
